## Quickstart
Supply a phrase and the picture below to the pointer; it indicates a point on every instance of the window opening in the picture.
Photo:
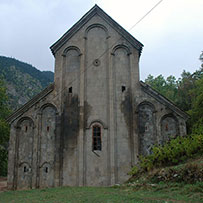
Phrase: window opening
(123, 88)
(166, 127)
(70, 89)
(96, 142)
(46, 169)
(26, 128)
(25, 169)
(47, 128)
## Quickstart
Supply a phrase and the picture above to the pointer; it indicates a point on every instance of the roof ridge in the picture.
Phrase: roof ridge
(95, 10)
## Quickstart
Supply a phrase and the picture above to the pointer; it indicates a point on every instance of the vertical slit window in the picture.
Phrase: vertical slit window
(70, 90)
(96, 141)
(166, 127)
(46, 170)
(123, 88)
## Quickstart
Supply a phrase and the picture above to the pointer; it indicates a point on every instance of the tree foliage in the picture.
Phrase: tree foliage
(4, 130)
(186, 92)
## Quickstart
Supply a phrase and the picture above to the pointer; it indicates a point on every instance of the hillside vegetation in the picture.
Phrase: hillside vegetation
(22, 80)
(175, 152)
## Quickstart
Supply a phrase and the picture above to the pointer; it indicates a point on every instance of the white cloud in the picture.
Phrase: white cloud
(171, 33)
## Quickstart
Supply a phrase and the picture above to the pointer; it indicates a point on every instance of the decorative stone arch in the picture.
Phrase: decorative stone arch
(146, 127)
(66, 50)
(22, 119)
(169, 127)
(96, 25)
(121, 46)
(24, 153)
(47, 174)
(95, 122)
(48, 105)
(47, 144)
(47, 165)
(71, 63)
(145, 102)
(27, 166)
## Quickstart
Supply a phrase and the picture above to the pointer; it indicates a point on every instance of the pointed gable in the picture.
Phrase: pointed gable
(96, 10)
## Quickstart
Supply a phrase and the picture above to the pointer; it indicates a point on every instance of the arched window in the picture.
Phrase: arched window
(96, 138)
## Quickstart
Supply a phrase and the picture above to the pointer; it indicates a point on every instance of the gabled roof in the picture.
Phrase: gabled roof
(156, 95)
(96, 10)
(30, 103)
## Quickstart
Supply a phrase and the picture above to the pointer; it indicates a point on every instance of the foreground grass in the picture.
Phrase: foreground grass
(126, 193)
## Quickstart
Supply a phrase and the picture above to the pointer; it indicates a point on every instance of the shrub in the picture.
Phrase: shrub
(173, 152)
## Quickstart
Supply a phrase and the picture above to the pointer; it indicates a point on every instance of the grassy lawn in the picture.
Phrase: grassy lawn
(126, 193)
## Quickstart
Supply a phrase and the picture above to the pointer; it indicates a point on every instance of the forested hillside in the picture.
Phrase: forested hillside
(22, 80)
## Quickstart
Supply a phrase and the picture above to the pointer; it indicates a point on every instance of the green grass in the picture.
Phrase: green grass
(132, 192)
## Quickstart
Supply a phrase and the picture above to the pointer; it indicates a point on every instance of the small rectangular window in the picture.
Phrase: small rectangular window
(47, 128)
(70, 90)
(123, 88)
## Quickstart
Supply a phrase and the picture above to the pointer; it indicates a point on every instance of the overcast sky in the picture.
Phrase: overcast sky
(172, 33)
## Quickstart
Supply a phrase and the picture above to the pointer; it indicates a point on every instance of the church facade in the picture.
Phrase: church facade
(92, 123)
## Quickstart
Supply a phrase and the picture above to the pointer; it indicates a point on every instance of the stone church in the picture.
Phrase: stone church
(89, 127)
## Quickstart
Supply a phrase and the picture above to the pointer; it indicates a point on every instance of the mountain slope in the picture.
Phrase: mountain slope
(23, 81)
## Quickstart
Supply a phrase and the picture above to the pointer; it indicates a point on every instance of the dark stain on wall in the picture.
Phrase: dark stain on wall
(70, 123)
(87, 112)
(127, 110)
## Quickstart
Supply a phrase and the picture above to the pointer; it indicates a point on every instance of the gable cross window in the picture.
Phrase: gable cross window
(96, 142)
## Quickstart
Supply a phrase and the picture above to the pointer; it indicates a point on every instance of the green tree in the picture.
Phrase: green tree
(186, 93)
(167, 88)
(196, 111)
(4, 130)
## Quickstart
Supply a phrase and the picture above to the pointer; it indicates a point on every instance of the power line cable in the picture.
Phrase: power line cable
(146, 14)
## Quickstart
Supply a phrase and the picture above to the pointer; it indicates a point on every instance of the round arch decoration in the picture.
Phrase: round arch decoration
(48, 105)
(169, 127)
(146, 127)
(71, 48)
(96, 25)
(97, 122)
(121, 46)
